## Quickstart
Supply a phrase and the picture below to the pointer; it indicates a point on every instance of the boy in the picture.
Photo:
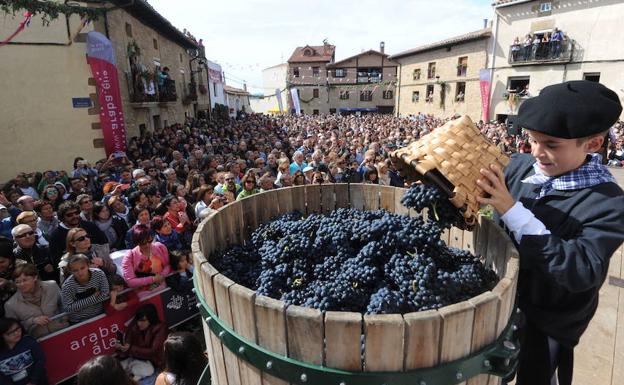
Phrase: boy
(566, 214)
(84, 291)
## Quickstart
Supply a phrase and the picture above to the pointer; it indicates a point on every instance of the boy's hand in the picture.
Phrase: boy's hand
(493, 183)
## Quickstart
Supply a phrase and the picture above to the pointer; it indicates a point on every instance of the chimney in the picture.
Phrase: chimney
(485, 23)
(382, 47)
(245, 87)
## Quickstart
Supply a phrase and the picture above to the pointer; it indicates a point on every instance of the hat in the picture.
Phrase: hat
(60, 184)
(109, 186)
(569, 110)
(308, 168)
(2, 207)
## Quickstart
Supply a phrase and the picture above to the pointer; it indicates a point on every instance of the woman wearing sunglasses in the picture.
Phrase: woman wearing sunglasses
(79, 242)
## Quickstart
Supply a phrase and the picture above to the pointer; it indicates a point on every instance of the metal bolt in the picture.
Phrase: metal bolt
(193, 290)
(343, 383)
(507, 362)
(487, 363)
(208, 319)
(304, 377)
(269, 365)
(198, 305)
(423, 382)
(241, 350)
(459, 375)
(518, 310)
(221, 333)
(509, 345)
(514, 327)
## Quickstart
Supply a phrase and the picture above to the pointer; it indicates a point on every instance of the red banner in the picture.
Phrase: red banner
(67, 350)
(484, 83)
(101, 58)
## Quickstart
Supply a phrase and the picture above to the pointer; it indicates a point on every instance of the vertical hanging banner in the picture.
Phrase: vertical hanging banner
(295, 98)
(101, 58)
(278, 95)
(484, 83)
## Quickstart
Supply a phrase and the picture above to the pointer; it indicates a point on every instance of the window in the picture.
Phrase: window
(128, 30)
(316, 72)
(429, 96)
(460, 91)
(431, 71)
(296, 72)
(366, 96)
(369, 75)
(315, 112)
(592, 76)
(340, 73)
(518, 84)
(462, 66)
(214, 89)
(545, 7)
(415, 96)
(315, 93)
(416, 74)
(181, 60)
(155, 43)
(344, 95)
(387, 94)
(332, 110)
(307, 52)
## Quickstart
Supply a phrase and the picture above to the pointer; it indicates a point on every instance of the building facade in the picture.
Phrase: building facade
(274, 81)
(216, 82)
(307, 72)
(586, 48)
(237, 100)
(49, 103)
(363, 83)
(442, 78)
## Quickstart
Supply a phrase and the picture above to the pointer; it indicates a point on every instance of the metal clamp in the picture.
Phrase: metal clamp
(499, 359)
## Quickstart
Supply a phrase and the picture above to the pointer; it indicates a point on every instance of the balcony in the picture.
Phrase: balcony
(190, 93)
(144, 90)
(542, 53)
(369, 75)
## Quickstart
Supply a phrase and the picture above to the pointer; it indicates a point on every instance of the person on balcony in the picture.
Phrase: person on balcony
(163, 76)
(555, 43)
(527, 47)
(535, 47)
(515, 49)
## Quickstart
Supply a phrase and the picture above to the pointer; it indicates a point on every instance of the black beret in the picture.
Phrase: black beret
(569, 110)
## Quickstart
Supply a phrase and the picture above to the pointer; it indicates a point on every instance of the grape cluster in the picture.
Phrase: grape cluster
(441, 210)
(374, 262)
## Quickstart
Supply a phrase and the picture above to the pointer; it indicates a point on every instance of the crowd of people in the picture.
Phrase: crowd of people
(58, 228)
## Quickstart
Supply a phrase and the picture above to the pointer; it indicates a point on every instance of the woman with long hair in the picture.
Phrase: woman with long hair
(22, 361)
(184, 360)
(249, 186)
(298, 178)
(103, 370)
(112, 226)
(78, 242)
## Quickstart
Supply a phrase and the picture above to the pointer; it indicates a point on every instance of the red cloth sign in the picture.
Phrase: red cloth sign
(484, 83)
(101, 58)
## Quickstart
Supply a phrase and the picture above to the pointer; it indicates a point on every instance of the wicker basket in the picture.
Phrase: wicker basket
(451, 157)
(394, 342)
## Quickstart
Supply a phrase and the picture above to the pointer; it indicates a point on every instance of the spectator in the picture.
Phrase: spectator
(371, 176)
(31, 219)
(114, 227)
(35, 303)
(119, 208)
(181, 278)
(298, 178)
(298, 164)
(51, 194)
(47, 221)
(22, 361)
(84, 291)
(7, 267)
(144, 342)
(249, 187)
(146, 265)
(79, 242)
(120, 298)
(27, 249)
(104, 370)
(185, 360)
(142, 215)
(165, 234)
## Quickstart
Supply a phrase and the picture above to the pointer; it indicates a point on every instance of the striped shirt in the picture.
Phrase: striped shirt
(81, 301)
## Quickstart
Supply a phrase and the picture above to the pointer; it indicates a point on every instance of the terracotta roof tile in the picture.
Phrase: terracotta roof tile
(317, 53)
(234, 90)
(471, 36)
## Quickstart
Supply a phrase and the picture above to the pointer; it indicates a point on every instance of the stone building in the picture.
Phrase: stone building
(590, 48)
(362, 83)
(237, 100)
(49, 104)
(307, 72)
(442, 78)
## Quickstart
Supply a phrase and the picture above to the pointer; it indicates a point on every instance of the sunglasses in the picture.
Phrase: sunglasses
(28, 234)
(82, 238)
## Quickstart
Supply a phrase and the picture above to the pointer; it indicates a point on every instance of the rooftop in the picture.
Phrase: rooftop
(465, 38)
(143, 11)
(359, 54)
(234, 90)
(313, 53)
(505, 3)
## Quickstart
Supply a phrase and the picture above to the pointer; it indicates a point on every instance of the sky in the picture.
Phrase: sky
(246, 36)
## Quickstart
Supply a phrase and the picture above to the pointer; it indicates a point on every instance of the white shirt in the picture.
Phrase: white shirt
(521, 221)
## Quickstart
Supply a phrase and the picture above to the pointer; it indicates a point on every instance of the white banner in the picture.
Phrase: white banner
(278, 95)
(295, 98)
